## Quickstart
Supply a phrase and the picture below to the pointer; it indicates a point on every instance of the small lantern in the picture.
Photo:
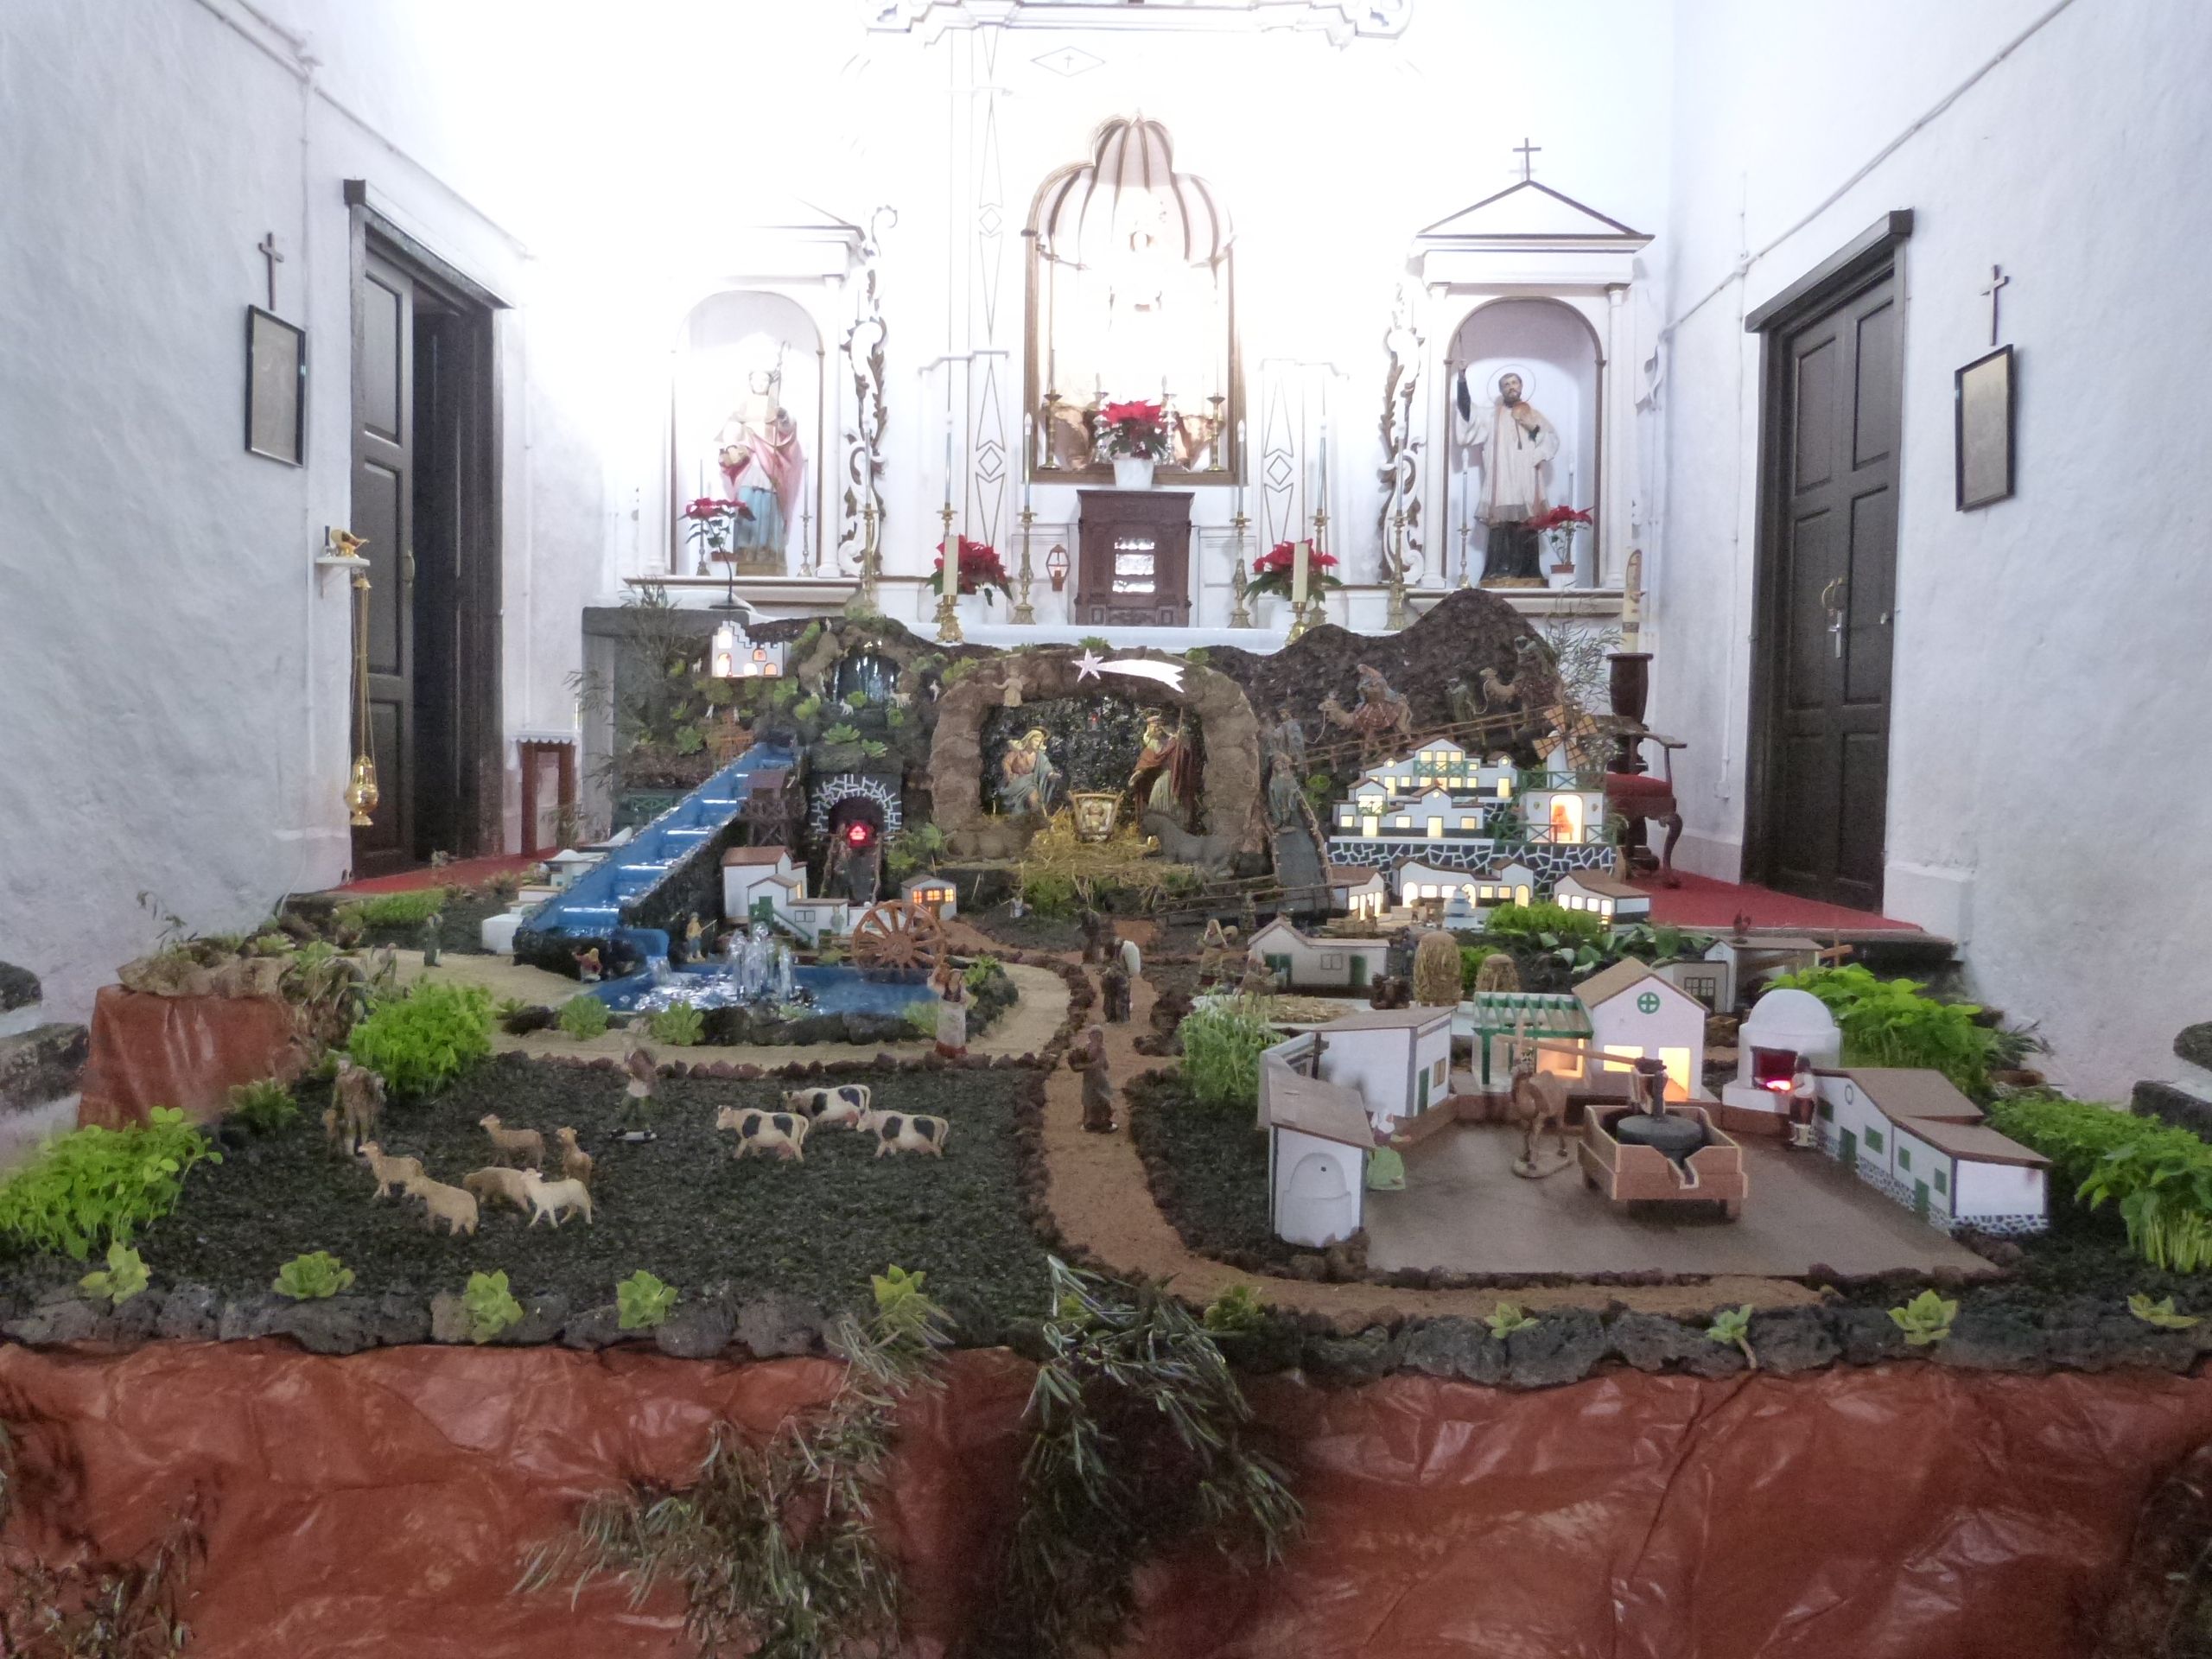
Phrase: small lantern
(1056, 566)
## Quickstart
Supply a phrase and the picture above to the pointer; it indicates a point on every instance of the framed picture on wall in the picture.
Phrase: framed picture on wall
(276, 387)
(1982, 417)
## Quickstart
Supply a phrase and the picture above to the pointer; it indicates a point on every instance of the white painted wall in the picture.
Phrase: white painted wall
(1999, 1190)
(174, 676)
(2062, 628)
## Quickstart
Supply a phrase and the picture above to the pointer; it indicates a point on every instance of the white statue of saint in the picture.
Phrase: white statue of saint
(1511, 442)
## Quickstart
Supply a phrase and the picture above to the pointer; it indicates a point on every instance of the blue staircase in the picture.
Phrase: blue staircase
(594, 905)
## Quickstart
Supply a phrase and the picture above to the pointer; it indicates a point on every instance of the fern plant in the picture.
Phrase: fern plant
(264, 1107)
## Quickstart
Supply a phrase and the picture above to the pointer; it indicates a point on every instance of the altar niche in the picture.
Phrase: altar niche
(1525, 404)
(748, 428)
(1134, 563)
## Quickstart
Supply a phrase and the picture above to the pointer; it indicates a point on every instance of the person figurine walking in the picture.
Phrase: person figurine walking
(644, 1073)
(1214, 955)
(951, 1012)
(1804, 1104)
(433, 927)
(1099, 937)
(1089, 1058)
(1114, 991)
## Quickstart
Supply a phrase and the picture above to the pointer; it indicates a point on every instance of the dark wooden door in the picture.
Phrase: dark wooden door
(1133, 562)
(383, 510)
(1828, 587)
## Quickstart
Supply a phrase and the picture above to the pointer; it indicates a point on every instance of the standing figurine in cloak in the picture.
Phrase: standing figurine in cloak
(1512, 442)
(1215, 958)
(432, 937)
(1284, 795)
(1167, 775)
(763, 464)
(951, 1012)
(643, 1073)
(1287, 738)
(1114, 991)
(1089, 1057)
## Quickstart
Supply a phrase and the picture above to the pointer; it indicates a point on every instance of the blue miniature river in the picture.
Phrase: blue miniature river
(705, 985)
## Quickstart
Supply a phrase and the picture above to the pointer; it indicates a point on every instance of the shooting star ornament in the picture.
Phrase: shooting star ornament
(1091, 664)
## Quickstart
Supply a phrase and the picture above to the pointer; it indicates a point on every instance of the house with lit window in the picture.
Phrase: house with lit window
(1613, 900)
(1362, 894)
(1553, 810)
(931, 892)
(1419, 882)
(1911, 1135)
(1634, 1010)
(735, 655)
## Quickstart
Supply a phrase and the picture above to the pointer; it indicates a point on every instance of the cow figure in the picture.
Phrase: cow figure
(909, 1132)
(782, 1133)
(846, 1104)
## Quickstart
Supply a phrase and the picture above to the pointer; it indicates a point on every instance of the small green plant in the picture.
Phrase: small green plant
(842, 732)
(642, 1302)
(584, 1017)
(1222, 1043)
(491, 1306)
(95, 1187)
(679, 1025)
(1051, 895)
(1508, 1319)
(1925, 1319)
(2159, 1176)
(957, 671)
(894, 717)
(1552, 926)
(264, 1107)
(1237, 1310)
(422, 1041)
(981, 971)
(126, 1275)
(902, 1311)
(807, 708)
(921, 1020)
(1098, 642)
(1197, 654)
(856, 700)
(1734, 1325)
(2160, 1312)
(874, 749)
(393, 910)
(311, 1277)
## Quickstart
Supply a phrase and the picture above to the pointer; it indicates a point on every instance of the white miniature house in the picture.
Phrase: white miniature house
(1911, 1135)
(1633, 1010)
(1398, 1059)
(757, 882)
(1319, 1139)
(1361, 893)
(1308, 962)
(1615, 902)
(931, 892)
(565, 866)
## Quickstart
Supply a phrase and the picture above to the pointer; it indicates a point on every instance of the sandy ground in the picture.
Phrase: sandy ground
(1464, 1210)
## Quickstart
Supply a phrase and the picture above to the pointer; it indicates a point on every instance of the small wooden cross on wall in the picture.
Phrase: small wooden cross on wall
(1528, 153)
(1997, 280)
(267, 248)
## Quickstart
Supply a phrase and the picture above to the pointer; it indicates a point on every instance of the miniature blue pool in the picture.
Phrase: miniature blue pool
(830, 989)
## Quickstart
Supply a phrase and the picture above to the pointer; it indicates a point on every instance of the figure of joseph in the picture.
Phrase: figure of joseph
(1028, 777)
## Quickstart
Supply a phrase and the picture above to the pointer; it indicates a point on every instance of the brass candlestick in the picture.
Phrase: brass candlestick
(361, 793)
(1464, 533)
(1240, 613)
(948, 602)
(1025, 613)
(1398, 616)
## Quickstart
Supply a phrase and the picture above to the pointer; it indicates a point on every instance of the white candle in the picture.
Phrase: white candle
(1298, 574)
(1632, 600)
(1239, 464)
(948, 458)
(1028, 442)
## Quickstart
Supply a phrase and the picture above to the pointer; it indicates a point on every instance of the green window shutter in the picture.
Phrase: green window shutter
(1905, 1157)
(1942, 1181)
(1873, 1140)
(1828, 1112)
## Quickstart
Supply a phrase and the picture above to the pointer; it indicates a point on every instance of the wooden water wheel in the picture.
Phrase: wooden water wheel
(899, 935)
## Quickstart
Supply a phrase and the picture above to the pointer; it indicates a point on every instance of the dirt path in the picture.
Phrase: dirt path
(1103, 1203)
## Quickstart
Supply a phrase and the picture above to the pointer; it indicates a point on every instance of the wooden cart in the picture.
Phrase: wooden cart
(1629, 1174)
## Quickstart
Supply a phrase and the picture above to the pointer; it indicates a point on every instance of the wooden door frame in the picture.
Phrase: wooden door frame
(480, 812)
(1871, 258)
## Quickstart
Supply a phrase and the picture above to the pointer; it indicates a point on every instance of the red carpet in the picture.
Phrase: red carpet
(1710, 905)
(462, 873)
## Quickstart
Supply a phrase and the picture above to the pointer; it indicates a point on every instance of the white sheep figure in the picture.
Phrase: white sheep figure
(554, 1200)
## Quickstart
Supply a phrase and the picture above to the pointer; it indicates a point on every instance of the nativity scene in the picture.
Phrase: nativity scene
(1060, 738)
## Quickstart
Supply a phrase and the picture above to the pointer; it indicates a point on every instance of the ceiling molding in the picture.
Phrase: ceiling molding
(1341, 21)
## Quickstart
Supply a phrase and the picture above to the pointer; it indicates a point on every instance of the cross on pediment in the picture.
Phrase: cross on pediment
(1528, 153)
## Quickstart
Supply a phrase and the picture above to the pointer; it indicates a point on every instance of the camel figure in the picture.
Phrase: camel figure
(1384, 720)
(1539, 1102)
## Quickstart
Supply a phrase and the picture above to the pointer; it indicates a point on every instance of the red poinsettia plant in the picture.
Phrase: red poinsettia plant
(981, 571)
(713, 525)
(1138, 430)
(1557, 518)
(1276, 571)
